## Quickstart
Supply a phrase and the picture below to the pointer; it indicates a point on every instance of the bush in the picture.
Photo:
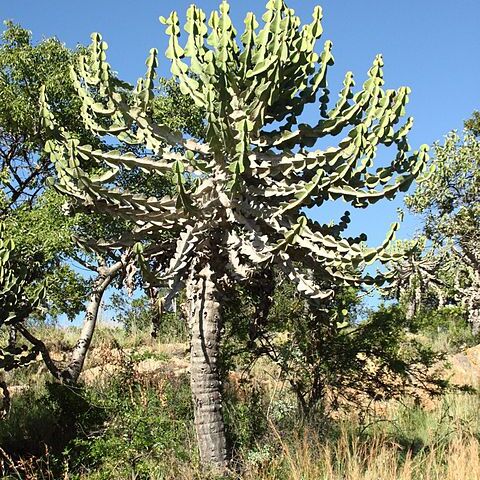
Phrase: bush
(147, 423)
(446, 329)
(329, 356)
(245, 414)
(138, 315)
(126, 428)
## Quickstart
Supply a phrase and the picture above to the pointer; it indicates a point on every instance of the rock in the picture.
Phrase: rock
(174, 365)
(465, 367)
(99, 374)
(14, 390)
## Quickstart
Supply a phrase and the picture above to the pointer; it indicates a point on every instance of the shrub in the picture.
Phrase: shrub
(147, 423)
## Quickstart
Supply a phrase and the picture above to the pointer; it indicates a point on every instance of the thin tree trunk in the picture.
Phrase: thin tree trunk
(72, 371)
(204, 310)
(74, 368)
(410, 313)
(6, 403)
(12, 336)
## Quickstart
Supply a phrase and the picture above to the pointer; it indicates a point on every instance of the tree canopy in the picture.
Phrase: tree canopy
(449, 201)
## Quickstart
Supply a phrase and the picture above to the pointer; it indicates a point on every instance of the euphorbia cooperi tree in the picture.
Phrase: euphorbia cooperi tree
(16, 304)
(242, 192)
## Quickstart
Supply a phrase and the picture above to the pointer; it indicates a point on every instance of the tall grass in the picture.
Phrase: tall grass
(308, 458)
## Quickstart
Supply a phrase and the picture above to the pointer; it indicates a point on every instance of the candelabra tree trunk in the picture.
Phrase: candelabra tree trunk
(205, 324)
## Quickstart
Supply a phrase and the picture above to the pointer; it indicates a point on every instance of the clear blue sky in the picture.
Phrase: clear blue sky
(433, 46)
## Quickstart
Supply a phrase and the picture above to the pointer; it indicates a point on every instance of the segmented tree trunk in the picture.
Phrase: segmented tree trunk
(105, 276)
(204, 310)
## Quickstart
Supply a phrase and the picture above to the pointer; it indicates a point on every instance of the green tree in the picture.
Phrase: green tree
(24, 68)
(31, 215)
(449, 201)
(48, 240)
(17, 305)
(419, 282)
(44, 233)
(241, 193)
(473, 124)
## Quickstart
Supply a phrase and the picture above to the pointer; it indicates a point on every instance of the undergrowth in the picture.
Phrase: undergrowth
(140, 427)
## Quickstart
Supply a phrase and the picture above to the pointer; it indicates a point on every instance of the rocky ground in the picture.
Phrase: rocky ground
(173, 359)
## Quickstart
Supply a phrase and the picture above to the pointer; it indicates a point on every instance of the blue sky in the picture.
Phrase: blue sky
(433, 46)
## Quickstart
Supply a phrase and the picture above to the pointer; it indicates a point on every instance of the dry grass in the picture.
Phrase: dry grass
(307, 459)
(451, 450)
(408, 444)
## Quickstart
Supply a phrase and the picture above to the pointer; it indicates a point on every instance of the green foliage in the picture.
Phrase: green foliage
(473, 124)
(17, 304)
(24, 68)
(333, 357)
(33, 217)
(138, 314)
(46, 417)
(450, 197)
(245, 414)
(133, 314)
(449, 201)
(144, 426)
(127, 425)
(43, 235)
(34, 65)
(445, 329)
(176, 110)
